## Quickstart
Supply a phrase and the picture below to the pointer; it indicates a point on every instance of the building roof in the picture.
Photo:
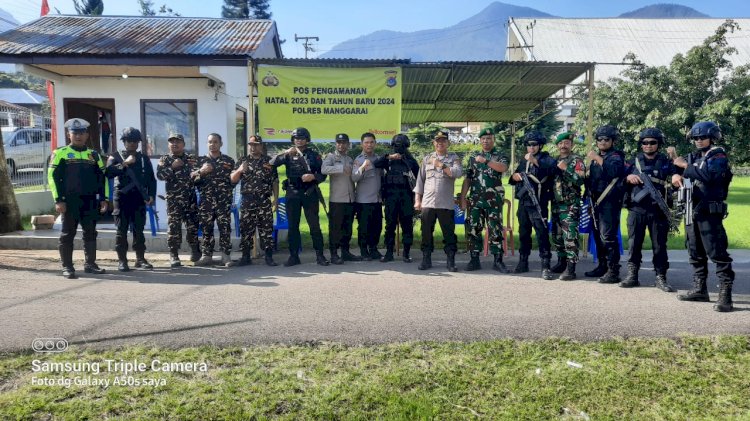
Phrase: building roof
(136, 35)
(21, 96)
(654, 41)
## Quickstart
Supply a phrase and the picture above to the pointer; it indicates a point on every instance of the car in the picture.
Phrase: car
(27, 147)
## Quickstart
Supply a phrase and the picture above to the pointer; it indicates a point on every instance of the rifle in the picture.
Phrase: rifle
(317, 187)
(529, 190)
(153, 214)
(685, 195)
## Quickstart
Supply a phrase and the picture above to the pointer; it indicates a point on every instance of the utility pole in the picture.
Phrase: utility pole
(307, 44)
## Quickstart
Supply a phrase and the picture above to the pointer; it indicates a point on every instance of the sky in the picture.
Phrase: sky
(334, 21)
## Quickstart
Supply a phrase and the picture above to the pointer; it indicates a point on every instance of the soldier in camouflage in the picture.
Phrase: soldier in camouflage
(260, 182)
(482, 196)
(182, 207)
(215, 187)
(566, 206)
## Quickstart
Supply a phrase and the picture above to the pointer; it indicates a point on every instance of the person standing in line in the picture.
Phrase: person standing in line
(338, 166)
(367, 205)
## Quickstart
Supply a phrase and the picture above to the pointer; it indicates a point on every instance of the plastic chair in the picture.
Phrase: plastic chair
(236, 202)
(281, 223)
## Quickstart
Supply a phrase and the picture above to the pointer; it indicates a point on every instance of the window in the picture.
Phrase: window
(240, 125)
(160, 117)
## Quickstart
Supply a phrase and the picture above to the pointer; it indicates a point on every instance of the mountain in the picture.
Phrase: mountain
(479, 38)
(664, 11)
(7, 21)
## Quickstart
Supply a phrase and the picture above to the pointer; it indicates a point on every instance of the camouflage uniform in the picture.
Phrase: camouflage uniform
(566, 208)
(216, 203)
(257, 209)
(182, 206)
(485, 202)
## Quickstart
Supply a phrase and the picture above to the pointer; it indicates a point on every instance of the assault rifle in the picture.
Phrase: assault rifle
(528, 189)
(649, 190)
(317, 187)
(153, 214)
(685, 195)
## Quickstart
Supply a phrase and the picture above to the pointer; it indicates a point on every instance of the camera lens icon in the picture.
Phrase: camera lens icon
(49, 344)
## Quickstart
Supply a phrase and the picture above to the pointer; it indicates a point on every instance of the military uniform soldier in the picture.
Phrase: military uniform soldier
(182, 206)
(709, 170)
(482, 196)
(434, 197)
(643, 210)
(367, 206)
(260, 183)
(566, 207)
(215, 187)
(78, 186)
(135, 188)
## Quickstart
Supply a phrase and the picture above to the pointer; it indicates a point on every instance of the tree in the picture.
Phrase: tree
(423, 134)
(147, 9)
(699, 85)
(10, 215)
(89, 7)
(246, 9)
(259, 9)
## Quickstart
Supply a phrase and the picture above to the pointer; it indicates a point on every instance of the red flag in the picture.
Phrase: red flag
(45, 8)
(50, 93)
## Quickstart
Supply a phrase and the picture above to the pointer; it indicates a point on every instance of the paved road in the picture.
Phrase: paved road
(357, 303)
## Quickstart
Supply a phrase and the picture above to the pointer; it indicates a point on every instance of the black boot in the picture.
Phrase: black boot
(195, 253)
(562, 263)
(546, 272)
(69, 272)
(122, 261)
(89, 252)
(661, 282)
(388, 256)
(321, 258)
(426, 261)
(498, 264)
(269, 258)
(570, 272)
(335, 259)
(174, 259)
(631, 280)
(141, 262)
(293, 260)
(523, 264)
(698, 293)
(612, 276)
(246, 259)
(451, 263)
(374, 253)
(598, 271)
(365, 253)
(724, 303)
(66, 257)
(347, 256)
(474, 263)
(407, 257)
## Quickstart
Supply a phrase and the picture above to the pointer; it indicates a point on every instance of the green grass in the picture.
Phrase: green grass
(686, 378)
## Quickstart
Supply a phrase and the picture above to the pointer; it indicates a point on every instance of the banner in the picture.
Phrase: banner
(328, 101)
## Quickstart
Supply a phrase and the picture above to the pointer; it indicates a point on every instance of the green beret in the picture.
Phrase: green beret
(563, 136)
(486, 131)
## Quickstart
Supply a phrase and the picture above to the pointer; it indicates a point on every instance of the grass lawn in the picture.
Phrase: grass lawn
(685, 378)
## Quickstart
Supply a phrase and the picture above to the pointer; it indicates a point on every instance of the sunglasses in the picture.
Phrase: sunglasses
(650, 142)
(701, 138)
(603, 139)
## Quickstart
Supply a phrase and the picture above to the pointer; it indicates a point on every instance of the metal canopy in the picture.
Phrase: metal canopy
(466, 91)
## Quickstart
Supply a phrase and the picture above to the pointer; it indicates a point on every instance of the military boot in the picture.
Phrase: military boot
(246, 259)
(546, 271)
(498, 264)
(631, 280)
(269, 258)
(724, 303)
(562, 263)
(451, 261)
(122, 261)
(388, 256)
(69, 272)
(347, 256)
(206, 260)
(698, 293)
(375, 253)
(426, 261)
(474, 263)
(174, 259)
(406, 256)
(89, 251)
(335, 259)
(570, 272)
(293, 260)
(66, 257)
(661, 282)
(612, 276)
(365, 253)
(141, 262)
(598, 271)
(320, 258)
(523, 264)
(195, 253)
(226, 260)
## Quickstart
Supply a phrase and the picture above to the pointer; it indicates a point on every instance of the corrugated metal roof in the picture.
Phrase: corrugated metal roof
(654, 41)
(21, 96)
(130, 35)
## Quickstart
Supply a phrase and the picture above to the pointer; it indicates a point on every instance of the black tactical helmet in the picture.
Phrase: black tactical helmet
(400, 141)
(607, 131)
(705, 128)
(131, 134)
(653, 133)
(535, 136)
(301, 132)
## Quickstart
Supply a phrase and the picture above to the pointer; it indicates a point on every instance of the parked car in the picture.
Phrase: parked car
(27, 148)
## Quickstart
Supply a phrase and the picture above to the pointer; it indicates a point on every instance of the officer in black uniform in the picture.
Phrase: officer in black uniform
(398, 183)
(135, 188)
(605, 186)
(303, 172)
(540, 168)
(643, 211)
(709, 170)
(76, 180)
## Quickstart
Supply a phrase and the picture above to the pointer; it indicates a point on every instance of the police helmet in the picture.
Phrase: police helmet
(705, 128)
(607, 131)
(535, 136)
(401, 140)
(301, 132)
(653, 133)
(131, 134)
